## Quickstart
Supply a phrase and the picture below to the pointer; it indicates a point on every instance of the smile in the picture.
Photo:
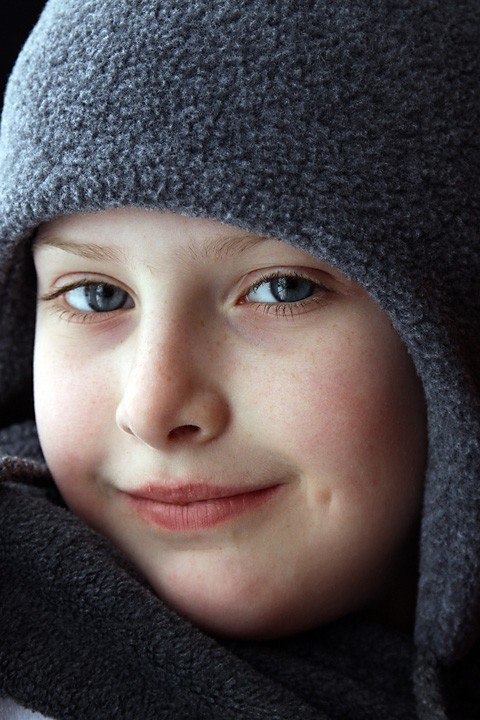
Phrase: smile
(195, 507)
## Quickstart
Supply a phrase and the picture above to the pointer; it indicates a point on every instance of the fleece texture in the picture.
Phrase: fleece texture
(347, 128)
(83, 638)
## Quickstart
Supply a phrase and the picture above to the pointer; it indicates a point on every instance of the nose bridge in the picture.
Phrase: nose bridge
(161, 356)
(168, 389)
(161, 367)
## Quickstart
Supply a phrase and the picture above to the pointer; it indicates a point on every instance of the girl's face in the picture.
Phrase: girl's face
(235, 415)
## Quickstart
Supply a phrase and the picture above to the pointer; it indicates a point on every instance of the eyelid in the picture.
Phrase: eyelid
(64, 310)
(54, 294)
(309, 274)
(84, 282)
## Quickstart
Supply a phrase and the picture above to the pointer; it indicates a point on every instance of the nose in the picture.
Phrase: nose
(169, 394)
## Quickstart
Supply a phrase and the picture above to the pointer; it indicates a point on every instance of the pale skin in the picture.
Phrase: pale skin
(199, 373)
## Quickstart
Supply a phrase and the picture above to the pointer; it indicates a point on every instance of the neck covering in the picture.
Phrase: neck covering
(348, 129)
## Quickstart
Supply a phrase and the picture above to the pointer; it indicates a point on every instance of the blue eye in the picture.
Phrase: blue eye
(97, 298)
(282, 289)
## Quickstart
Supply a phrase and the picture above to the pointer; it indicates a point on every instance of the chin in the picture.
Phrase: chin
(236, 623)
(224, 611)
(241, 615)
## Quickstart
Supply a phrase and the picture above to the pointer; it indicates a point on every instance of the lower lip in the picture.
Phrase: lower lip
(201, 514)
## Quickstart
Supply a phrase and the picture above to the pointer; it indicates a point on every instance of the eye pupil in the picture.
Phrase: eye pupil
(104, 298)
(291, 289)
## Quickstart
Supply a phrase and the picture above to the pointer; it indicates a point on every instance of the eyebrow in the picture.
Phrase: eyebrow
(91, 251)
(226, 247)
(219, 249)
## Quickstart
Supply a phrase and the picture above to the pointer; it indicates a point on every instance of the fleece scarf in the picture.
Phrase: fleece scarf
(84, 638)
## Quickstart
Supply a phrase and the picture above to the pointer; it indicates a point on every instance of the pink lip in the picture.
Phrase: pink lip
(190, 506)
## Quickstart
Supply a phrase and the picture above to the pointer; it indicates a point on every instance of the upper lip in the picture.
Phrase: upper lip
(188, 492)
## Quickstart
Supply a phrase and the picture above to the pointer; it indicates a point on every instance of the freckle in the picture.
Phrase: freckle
(202, 324)
(225, 337)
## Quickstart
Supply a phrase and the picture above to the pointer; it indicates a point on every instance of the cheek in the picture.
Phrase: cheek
(347, 408)
(71, 407)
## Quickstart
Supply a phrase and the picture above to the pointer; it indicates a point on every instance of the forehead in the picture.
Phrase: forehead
(132, 235)
(124, 228)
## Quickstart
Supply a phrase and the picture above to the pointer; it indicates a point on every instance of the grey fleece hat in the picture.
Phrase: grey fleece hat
(349, 128)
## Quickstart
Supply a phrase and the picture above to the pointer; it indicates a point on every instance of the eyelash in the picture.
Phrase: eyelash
(69, 313)
(286, 309)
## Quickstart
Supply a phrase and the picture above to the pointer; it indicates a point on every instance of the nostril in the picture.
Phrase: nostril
(182, 431)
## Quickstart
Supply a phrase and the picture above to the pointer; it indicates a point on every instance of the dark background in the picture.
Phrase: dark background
(17, 18)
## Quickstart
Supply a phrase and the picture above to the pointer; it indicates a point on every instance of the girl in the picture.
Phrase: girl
(251, 485)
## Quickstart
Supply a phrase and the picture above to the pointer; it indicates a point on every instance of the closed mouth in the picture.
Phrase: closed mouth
(190, 507)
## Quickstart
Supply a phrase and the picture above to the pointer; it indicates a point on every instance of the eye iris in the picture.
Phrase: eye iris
(104, 298)
(291, 289)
